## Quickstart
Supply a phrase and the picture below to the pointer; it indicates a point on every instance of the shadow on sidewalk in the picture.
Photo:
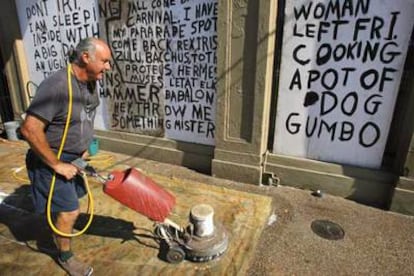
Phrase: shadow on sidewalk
(26, 226)
(32, 229)
(109, 227)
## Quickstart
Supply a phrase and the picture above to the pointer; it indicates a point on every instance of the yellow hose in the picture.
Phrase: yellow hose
(52, 183)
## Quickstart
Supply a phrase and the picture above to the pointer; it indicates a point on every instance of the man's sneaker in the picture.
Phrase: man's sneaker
(74, 267)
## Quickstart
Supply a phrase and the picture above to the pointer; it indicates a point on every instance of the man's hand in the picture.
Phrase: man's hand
(68, 170)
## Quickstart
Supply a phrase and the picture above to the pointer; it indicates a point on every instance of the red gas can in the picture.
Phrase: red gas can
(140, 193)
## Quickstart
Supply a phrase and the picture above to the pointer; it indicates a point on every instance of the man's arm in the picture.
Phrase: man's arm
(33, 131)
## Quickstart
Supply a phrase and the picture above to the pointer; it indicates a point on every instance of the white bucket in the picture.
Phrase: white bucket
(11, 130)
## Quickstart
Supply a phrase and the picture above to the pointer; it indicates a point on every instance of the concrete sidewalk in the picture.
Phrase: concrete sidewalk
(375, 242)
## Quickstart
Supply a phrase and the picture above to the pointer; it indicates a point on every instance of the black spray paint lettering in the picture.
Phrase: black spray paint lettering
(112, 79)
(332, 8)
(193, 126)
(206, 10)
(138, 93)
(348, 104)
(190, 57)
(78, 23)
(109, 9)
(185, 95)
(201, 112)
(137, 6)
(141, 108)
(375, 28)
(155, 31)
(205, 25)
(177, 111)
(199, 43)
(42, 37)
(38, 9)
(150, 16)
(372, 78)
(331, 77)
(163, 3)
(134, 121)
(41, 34)
(343, 131)
(135, 107)
(354, 51)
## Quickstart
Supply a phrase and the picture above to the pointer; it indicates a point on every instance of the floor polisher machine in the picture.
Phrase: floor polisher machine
(202, 240)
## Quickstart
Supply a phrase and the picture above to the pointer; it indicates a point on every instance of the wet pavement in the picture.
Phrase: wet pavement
(272, 230)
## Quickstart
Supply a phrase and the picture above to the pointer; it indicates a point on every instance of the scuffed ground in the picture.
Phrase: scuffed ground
(120, 240)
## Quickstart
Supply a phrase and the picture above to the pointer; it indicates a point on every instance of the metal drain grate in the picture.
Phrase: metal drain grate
(327, 229)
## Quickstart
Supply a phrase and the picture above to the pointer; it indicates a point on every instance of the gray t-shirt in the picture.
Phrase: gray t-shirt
(51, 104)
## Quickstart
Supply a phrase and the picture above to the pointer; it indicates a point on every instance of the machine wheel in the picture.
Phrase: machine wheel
(175, 255)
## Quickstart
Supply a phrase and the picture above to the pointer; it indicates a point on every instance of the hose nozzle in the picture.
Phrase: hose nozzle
(84, 167)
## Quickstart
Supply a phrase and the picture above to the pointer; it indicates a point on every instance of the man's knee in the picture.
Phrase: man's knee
(68, 217)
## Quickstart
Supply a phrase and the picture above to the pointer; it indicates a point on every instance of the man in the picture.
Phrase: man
(43, 129)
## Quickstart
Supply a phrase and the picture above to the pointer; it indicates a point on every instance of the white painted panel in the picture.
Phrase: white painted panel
(164, 60)
(50, 29)
(41, 37)
(341, 68)
(190, 85)
(166, 49)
